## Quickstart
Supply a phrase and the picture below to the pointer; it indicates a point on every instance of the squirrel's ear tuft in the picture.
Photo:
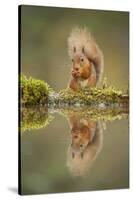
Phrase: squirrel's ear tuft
(74, 49)
(83, 50)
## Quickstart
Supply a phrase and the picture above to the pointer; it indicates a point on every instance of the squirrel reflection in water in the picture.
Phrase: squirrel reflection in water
(86, 143)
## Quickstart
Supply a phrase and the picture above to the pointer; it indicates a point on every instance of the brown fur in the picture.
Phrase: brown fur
(87, 60)
(86, 143)
(82, 131)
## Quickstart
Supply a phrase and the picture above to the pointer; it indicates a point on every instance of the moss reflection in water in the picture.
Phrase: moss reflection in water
(40, 117)
(34, 118)
(107, 114)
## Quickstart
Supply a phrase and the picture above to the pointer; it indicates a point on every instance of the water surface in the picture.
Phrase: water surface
(73, 153)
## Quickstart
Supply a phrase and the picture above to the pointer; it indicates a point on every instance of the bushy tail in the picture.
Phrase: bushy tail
(81, 39)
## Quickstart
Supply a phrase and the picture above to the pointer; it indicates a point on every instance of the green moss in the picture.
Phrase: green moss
(33, 91)
(91, 96)
(34, 118)
(105, 103)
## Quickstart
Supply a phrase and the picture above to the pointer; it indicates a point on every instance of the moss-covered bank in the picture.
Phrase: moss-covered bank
(33, 91)
(38, 92)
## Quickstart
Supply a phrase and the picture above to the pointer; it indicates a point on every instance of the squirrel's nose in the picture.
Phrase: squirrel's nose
(76, 68)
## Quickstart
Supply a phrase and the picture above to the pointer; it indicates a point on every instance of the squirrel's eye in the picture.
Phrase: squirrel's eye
(72, 60)
(82, 59)
(81, 145)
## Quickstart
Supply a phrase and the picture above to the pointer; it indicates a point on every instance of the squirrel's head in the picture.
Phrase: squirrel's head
(82, 136)
(81, 66)
(80, 41)
(85, 147)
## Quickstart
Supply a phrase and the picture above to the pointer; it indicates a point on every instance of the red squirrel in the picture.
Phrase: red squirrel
(86, 144)
(87, 60)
